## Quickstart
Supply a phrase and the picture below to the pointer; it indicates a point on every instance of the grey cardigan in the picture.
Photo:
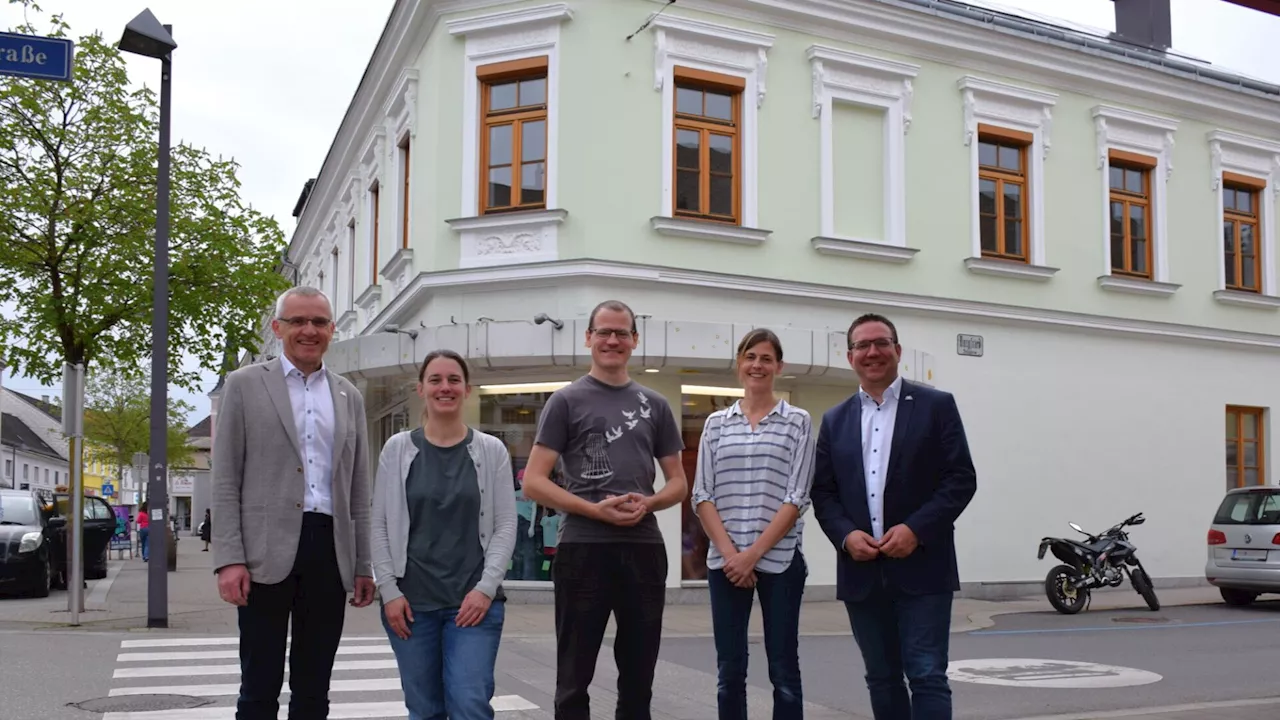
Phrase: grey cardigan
(389, 536)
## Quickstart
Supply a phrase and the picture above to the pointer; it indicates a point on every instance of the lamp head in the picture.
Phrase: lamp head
(144, 35)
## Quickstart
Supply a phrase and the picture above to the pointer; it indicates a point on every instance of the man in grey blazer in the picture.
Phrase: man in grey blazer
(291, 496)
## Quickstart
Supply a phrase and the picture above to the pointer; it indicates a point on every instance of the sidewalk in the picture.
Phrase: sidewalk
(119, 602)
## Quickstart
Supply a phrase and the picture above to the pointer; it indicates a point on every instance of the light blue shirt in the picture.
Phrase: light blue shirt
(877, 441)
(312, 404)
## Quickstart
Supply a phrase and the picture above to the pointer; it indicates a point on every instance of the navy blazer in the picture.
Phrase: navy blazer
(929, 483)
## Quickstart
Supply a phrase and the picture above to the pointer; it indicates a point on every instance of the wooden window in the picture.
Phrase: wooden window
(513, 135)
(708, 158)
(1245, 435)
(373, 252)
(404, 192)
(333, 280)
(1130, 211)
(1003, 193)
(1240, 232)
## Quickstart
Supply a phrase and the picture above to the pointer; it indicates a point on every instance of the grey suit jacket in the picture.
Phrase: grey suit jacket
(258, 482)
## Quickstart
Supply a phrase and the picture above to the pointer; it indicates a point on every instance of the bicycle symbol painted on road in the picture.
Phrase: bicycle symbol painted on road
(1025, 672)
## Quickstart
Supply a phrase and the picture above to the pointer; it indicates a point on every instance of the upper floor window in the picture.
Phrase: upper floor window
(373, 235)
(707, 118)
(513, 138)
(404, 192)
(1240, 233)
(1129, 178)
(1002, 193)
(1244, 446)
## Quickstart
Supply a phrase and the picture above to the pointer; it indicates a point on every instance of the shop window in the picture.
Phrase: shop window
(511, 414)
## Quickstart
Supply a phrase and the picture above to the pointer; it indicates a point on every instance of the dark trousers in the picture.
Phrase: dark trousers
(901, 634)
(593, 580)
(780, 595)
(314, 596)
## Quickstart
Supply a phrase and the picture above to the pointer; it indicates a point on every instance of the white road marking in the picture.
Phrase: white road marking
(359, 685)
(235, 654)
(337, 711)
(222, 640)
(229, 669)
(1039, 673)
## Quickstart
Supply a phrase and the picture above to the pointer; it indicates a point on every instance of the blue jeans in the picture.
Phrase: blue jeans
(901, 634)
(780, 596)
(143, 535)
(447, 671)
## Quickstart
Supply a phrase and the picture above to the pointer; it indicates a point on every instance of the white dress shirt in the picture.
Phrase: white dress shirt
(312, 403)
(877, 441)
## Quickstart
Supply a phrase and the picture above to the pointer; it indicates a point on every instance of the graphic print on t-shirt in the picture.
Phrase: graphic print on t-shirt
(595, 451)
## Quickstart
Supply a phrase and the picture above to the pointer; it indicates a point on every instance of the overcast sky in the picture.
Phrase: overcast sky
(268, 82)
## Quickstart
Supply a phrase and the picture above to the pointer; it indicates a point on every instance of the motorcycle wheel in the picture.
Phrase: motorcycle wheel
(1142, 584)
(1063, 599)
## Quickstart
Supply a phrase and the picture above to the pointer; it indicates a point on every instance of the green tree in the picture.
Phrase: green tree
(78, 173)
(117, 421)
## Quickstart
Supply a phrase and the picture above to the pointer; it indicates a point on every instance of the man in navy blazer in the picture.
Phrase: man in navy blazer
(892, 473)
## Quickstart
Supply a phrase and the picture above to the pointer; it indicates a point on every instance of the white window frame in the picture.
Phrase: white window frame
(1258, 158)
(866, 81)
(1144, 134)
(401, 121)
(990, 102)
(722, 50)
(503, 37)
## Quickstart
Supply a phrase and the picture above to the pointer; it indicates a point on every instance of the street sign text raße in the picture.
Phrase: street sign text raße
(32, 56)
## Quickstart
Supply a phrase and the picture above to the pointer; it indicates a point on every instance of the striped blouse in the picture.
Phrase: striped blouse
(749, 474)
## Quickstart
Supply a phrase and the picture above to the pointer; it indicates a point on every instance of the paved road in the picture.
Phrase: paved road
(1185, 663)
(1179, 656)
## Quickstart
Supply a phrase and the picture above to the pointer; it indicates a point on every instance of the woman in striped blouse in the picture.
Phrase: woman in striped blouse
(755, 469)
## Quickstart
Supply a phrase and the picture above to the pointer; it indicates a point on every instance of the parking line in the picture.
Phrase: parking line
(1113, 628)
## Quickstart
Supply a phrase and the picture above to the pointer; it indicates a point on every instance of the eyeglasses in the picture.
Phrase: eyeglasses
(881, 343)
(316, 322)
(604, 333)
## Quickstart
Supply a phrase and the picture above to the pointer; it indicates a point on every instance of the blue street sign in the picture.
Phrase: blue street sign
(32, 56)
(108, 489)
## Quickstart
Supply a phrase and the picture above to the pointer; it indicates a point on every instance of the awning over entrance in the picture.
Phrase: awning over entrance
(515, 344)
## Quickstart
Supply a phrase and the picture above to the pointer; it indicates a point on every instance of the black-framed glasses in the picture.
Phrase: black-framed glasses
(604, 333)
(316, 322)
(881, 343)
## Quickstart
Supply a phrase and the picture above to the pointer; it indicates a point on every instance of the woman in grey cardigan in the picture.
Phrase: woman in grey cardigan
(444, 528)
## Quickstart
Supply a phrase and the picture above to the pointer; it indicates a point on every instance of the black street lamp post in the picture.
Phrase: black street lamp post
(144, 35)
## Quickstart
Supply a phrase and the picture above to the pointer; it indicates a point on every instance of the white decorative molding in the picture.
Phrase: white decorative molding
(369, 303)
(708, 230)
(862, 249)
(1145, 134)
(842, 76)
(1247, 299)
(398, 270)
(718, 49)
(508, 238)
(346, 326)
(1016, 108)
(1259, 158)
(502, 37)
(1009, 269)
(402, 106)
(1137, 286)
(371, 158)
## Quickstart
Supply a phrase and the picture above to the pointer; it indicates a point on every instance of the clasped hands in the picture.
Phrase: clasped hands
(624, 510)
(899, 542)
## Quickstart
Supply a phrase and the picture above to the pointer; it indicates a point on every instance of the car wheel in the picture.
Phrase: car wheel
(1237, 597)
(46, 582)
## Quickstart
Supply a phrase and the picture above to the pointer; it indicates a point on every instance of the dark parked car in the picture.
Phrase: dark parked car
(99, 526)
(27, 553)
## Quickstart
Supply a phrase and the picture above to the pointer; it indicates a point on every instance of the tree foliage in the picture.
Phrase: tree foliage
(78, 176)
(117, 421)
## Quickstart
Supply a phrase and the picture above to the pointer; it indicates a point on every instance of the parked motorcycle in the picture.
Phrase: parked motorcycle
(1101, 560)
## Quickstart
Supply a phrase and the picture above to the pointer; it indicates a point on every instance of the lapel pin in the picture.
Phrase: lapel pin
(907, 397)
(342, 393)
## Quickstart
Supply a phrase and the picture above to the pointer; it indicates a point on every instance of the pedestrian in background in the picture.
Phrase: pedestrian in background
(611, 559)
(144, 531)
(892, 475)
(444, 528)
(206, 530)
(291, 492)
(751, 488)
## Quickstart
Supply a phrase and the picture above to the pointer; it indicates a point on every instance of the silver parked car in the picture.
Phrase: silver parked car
(1244, 544)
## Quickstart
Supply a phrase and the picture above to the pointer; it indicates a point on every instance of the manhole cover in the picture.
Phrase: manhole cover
(1140, 619)
(141, 703)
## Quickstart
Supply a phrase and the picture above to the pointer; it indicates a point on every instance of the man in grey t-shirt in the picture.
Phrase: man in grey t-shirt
(607, 430)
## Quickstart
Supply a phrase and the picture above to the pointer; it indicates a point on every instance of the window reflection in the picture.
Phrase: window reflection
(513, 418)
(694, 542)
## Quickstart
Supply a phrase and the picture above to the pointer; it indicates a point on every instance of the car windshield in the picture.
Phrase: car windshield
(1251, 508)
(18, 510)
